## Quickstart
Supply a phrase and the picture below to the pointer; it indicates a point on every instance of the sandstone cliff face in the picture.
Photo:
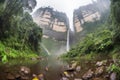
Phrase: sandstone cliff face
(89, 13)
(53, 23)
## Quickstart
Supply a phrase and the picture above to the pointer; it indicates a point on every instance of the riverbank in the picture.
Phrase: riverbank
(51, 68)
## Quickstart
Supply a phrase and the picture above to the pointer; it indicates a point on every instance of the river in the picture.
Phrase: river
(54, 69)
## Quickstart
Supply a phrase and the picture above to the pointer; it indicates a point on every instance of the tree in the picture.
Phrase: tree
(115, 15)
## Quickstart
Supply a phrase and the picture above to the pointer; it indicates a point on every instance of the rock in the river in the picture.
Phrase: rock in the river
(10, 77)
(66, 74)
(78, 68)
(64, 78)
(25, 69)
(88, 75)
(113, 76)
(74, 65)
(99, 70)
(101, 63)
(41, 77)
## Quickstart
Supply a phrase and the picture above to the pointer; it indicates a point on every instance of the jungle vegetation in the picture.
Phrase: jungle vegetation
(105, 39)
(19, 35)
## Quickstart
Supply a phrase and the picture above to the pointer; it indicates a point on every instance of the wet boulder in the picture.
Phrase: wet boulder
(25, 69)
(74, 65)
(113, 76)
(78, 68)
(101, 63)
(99, 70)
(67, 74)
(41, 77)
(64, 78)
(88, 75)
(70, 68)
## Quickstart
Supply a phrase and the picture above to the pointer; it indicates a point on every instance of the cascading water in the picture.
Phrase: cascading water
(68, 40)
(45, 48)
(70, 28)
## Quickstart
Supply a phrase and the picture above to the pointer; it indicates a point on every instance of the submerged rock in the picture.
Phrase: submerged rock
(88, 75)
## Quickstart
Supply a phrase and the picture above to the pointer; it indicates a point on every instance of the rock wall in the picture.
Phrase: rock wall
(89, 13)
(53, 23)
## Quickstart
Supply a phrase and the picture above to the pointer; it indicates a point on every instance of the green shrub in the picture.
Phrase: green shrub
(98, 42)
(114, 68)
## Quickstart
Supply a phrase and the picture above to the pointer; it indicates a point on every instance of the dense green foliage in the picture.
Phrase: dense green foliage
(115, 11)
(103, 39)
(18, 33)
(97, 42)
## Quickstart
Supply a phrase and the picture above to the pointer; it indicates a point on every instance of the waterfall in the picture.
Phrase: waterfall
(45, 48)
(68, 40)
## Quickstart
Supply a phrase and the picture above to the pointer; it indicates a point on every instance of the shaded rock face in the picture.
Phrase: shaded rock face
(89, 13)
(53, 23)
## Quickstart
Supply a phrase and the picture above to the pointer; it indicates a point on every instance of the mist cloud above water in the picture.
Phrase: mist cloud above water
(66, 6)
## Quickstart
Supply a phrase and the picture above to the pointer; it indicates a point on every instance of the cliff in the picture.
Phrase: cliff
(89, 13)
(53, 23)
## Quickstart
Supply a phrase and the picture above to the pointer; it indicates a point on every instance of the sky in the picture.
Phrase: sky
(66, 6)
